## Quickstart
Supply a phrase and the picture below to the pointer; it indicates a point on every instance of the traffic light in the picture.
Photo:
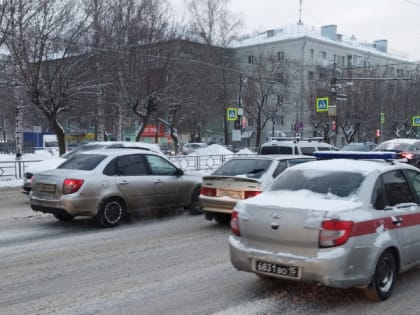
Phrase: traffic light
(378, 133)
(334, 126)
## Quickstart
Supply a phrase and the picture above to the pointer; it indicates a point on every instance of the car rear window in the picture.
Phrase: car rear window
(339, 183)
(277, 150)
(84, 162)
(247, 167)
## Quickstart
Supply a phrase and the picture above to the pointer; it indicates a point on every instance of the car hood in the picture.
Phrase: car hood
(44, 165)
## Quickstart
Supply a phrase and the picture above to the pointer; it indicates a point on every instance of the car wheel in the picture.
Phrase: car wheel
(383, 280)
(111, 212)
(195, 204)
(222, 218)
(63, 217)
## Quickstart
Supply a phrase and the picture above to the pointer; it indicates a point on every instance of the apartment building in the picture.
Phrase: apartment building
(316, 53)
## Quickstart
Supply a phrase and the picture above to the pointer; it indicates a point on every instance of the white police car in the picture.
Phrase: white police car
(341, 222)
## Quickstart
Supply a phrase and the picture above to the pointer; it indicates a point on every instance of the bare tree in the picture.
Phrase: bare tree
(213, 24)
(271, 79)
(49, 65)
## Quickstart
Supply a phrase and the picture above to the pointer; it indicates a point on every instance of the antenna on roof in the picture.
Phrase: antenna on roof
(300, 23)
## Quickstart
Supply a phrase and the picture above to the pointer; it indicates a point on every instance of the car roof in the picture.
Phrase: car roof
(272, 157)
(352, 165)
(402, 140)
(119, 152)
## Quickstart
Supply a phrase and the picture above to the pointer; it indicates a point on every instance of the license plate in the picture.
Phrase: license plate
(276, 269)
(230, 193)
(45, 187)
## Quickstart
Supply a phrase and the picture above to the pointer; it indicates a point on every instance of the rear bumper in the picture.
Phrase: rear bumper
(74, 207)
(330, 267)
(218, 204)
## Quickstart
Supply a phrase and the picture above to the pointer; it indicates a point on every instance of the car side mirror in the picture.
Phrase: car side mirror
(179, 172)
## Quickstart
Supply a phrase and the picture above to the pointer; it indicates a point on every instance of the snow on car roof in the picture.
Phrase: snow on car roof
(361, 166)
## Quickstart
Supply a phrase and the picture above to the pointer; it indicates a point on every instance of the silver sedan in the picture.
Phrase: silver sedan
(107, 184)
(340, 223)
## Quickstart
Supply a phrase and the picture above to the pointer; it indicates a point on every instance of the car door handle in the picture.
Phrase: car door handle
(123, 182)
(397, 221)
(158, 181)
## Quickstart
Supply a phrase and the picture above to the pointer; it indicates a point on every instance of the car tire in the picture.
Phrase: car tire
(111, 212)
(63, 216)
(195, 204)
(383, 280)
(222, 218)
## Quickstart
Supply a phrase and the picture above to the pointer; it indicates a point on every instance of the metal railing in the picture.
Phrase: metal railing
(15, 168)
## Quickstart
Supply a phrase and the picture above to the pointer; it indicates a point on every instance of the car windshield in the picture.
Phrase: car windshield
(246, 167)
(339, 183)
(85, 162)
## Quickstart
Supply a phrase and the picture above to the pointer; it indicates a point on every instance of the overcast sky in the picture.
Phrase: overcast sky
(398, 21)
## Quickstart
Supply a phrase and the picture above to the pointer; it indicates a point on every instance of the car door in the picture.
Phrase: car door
(167, 182)
(130, 176)
(401, 213)
(413, 178)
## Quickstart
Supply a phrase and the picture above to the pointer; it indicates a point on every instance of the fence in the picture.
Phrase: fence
(16, 168)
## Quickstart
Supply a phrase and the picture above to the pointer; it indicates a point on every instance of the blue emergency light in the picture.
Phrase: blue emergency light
(356, 155)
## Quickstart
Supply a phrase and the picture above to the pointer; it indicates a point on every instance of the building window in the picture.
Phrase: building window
(323, 55)
(250, 60)
(280, 55)
(349, 60)
(312, 54)
(343, 60)
(311, 75)
(250, 122)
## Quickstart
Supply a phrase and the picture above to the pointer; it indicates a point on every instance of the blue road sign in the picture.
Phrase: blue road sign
(322, 104)
(232, 113)
(416, 121)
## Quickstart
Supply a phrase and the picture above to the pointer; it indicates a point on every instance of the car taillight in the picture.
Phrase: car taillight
(234, 223)
(206, 191)
(72, 185)
(334, 233)
(251, 193)
(407, 155)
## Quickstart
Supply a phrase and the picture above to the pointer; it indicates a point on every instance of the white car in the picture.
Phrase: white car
(295, 146)
(339, 222)
(53, 163)
(191, 147)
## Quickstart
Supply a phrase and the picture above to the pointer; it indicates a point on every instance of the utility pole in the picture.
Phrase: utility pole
(332, 108)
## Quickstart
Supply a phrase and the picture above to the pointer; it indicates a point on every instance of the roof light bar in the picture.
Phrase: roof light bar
(356, 155)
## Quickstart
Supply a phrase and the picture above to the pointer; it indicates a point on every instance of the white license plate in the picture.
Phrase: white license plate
(230, 193)
(276, 269)
(46, 187)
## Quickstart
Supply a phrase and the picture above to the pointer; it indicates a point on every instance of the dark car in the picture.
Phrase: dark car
(409, 149)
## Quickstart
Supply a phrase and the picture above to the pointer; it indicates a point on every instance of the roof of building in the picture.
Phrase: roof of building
(294, 31)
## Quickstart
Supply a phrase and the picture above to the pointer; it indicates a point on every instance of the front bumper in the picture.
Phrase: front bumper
(331, 267)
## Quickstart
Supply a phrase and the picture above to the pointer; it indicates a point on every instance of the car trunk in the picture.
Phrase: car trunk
(293, 231)
(231, 186)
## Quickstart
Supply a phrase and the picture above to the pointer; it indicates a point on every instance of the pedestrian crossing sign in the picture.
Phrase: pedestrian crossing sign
(232, 113)
(322, 104)
(416, 121)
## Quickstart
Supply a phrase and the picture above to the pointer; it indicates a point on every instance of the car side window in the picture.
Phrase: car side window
(280, 168)
(160, 166)
(417, 145)
(415, 180)
(130, 165)
(307, 150)
(396, 188)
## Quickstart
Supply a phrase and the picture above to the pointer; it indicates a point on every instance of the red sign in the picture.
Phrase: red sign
(151, 130)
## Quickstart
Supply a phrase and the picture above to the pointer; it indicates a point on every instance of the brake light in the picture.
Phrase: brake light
(71, 185)
(234, 223)
(251, 193)
(334, 233)
(206, 191)
(407, 155)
